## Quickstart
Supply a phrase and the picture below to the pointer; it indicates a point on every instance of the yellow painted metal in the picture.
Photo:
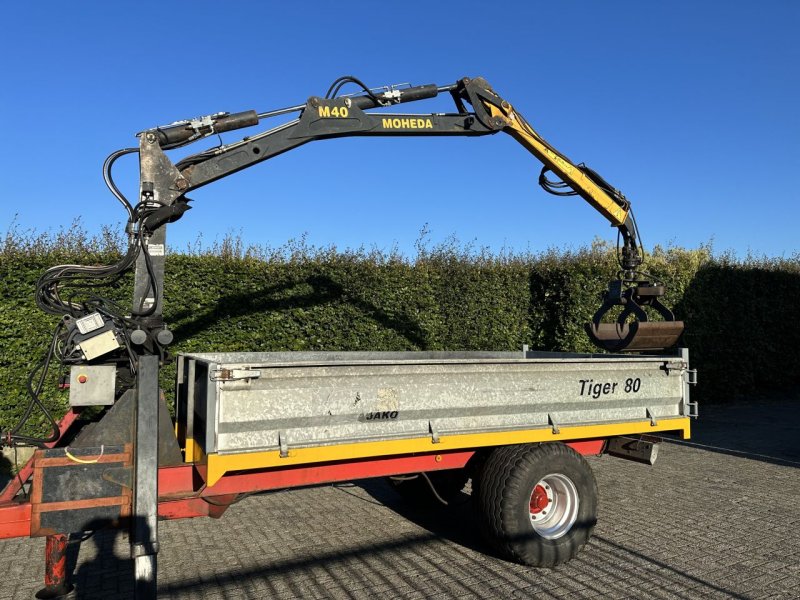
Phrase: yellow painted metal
(192, 451)
(560, 164)
(219, 464)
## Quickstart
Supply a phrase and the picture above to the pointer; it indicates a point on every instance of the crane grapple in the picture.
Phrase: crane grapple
(633, 331)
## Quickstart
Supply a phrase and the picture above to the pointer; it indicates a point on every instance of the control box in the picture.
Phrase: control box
(92, 385)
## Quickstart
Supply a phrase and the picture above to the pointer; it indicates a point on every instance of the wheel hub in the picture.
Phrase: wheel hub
(539, 500)
(553, 506)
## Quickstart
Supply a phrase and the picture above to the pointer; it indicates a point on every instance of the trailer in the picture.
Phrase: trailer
(241, 411)
(517, 424)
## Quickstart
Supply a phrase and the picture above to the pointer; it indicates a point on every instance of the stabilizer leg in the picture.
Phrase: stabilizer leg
(55, 569)
(144, 528)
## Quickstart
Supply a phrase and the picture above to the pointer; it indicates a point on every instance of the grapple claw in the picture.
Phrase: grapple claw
(639, 335)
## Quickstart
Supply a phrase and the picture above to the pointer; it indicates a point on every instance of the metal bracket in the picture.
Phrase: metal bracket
(204, 124)
(283, 444)
(643, 449)
(434, 432)
(691, 376)
(552, 422)
(671, 366)
(144, 550)
(651, 415)
(691, 410)
(234, 374)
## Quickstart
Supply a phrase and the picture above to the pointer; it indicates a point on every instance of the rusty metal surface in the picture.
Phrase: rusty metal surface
(70, 492)
(15, 484)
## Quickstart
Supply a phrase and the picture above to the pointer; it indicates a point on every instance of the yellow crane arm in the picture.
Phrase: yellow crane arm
(335, 116)
(578, 180)
(632, 329)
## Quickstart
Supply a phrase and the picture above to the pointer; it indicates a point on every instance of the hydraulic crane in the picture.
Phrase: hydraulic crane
(120, 351)
(164, 188)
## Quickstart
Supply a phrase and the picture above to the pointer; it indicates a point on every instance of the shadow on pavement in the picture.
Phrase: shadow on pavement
(334, 573)
(446, 522)
(765, 429)
(408, 563)
(686, 580)
(602, 557)
(105, 574)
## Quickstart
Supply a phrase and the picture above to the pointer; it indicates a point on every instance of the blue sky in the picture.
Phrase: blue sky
(690, 108)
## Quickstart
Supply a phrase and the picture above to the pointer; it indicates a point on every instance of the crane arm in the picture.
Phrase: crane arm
(480, 111)
(323, 118)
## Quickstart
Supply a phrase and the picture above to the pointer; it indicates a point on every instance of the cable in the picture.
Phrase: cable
(433, 489)
(48, 296)
(36, 401)
(151, 285)
(34, 393)
(554, 186)
(563, 188)
(47, 287)
(19, 477)
(84, 461)
(31, 404)
(338, 84)
(109, 180)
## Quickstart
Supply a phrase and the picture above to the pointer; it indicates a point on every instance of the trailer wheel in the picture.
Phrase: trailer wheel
(417, 490)
(537, 504)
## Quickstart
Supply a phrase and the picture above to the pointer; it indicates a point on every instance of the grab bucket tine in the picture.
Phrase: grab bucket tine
(633, 331)
(639, 336)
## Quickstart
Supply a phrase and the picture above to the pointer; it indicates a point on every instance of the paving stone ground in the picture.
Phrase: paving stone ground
(716, 519)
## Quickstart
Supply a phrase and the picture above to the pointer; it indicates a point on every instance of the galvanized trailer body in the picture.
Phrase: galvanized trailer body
(251, 422)
(239, 411)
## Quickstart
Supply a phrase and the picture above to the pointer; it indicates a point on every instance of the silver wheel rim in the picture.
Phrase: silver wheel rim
(553, 506)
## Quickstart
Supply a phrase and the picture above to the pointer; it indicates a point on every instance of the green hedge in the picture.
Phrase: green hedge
(742, 315)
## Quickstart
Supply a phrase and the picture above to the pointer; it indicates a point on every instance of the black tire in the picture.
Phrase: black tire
(504, 494)
(448, 485)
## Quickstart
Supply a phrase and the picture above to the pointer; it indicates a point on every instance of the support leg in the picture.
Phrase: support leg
(144, 528)
(55, 569)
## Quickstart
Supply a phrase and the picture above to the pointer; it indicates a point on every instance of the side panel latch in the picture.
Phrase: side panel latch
(234, 374)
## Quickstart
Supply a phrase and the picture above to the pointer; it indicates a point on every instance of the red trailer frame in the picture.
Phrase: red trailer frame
(183, 493)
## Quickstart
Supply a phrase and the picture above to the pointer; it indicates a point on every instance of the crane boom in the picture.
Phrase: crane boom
(480, 111)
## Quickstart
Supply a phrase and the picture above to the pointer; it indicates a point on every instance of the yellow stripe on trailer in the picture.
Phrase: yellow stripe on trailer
(219, 464)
